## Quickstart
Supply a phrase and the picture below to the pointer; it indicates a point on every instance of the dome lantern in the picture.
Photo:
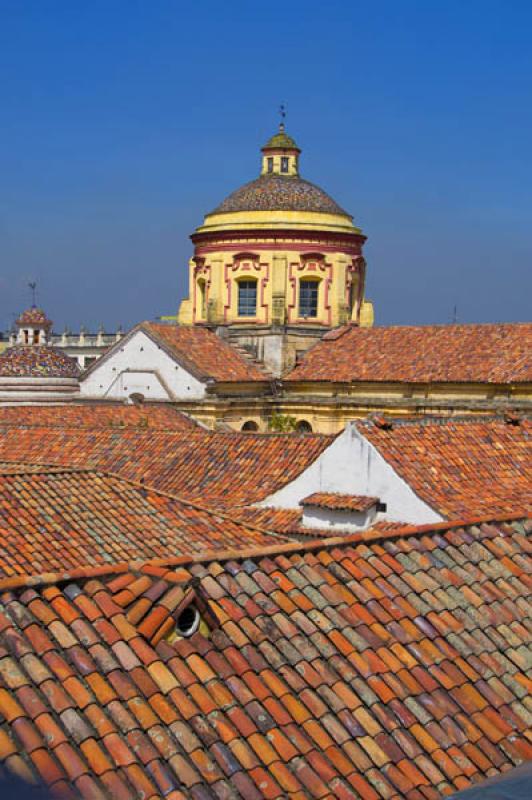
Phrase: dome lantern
(280, 155)
(33, 326)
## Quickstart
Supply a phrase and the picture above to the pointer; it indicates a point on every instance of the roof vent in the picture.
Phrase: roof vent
(383, 423)
(188, 621)
(512, 418)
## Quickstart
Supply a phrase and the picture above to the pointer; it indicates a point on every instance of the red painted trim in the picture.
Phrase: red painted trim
(285, 235)
(296, 247)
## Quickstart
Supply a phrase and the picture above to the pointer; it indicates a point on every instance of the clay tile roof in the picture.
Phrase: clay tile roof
(422, 354)
(280, 141)
(204, 352)
(289, 522)
(339, 502)
(37, 361)
(460, 466)
(388, 666)
(280, 193)
(159, 416)
(226, 469)
(54, 519)
(34, 317)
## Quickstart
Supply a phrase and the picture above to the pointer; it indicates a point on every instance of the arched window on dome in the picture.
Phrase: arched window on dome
(308, 298)
(247, 297)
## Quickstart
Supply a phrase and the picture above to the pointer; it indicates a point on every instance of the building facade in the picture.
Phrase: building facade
(277, 264)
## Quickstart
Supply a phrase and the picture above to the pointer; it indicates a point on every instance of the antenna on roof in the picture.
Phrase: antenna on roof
(282, 112)
(33, 288)
(455, 315)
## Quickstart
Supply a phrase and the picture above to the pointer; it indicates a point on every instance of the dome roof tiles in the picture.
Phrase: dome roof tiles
(281, 141)
(280, 193)
(34, 361)
(34, 317)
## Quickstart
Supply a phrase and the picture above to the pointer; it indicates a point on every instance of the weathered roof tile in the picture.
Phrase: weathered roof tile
(489, 353)
(389, 710)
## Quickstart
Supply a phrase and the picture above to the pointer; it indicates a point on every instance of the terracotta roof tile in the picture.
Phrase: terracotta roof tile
(467, 466)
(211, 468)
(37, 361)
(289, 521)
(158, 416)
(348, 710)
(488, 353)
(339, 502)
(52, 521)
(34, 316)
(202, 351)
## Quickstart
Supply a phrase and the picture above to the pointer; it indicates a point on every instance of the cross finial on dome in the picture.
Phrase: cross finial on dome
(33, 288)
(282, 112)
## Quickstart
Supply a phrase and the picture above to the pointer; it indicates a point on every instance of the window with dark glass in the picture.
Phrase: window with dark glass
(270, 165)
(308, 298)
(284, 164)
(247, 298)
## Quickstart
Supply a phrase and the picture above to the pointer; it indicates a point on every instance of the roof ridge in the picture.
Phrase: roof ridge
(447, 325)
(192, 503)
(215, 511)
(399, 422)
(29, 469)
(361, 537)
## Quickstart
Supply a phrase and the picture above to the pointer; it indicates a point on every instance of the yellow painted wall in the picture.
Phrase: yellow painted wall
(328, 408)
(216, 270)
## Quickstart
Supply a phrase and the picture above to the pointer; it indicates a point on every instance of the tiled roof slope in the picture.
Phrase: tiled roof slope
(289, 522)
(280, 193)
(422, 354)
(34, 316)
(390, 667)
(204, 352)
(55, 520)
(162, 416)
(212, 468)
(37, 361)
(459, 466)
(339, 502)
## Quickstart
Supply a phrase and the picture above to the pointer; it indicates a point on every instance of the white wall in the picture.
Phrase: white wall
(138, 364)
(351, 465)
(336, 519)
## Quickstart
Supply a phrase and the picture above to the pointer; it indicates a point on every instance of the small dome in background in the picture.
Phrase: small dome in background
(31, 369)
(37, 361)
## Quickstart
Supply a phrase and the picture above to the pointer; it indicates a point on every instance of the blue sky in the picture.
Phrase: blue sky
(123, 122)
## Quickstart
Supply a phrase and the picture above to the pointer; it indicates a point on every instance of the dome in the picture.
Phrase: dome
(34, 361)
(34, 317)
(280, 193)
(281, 141)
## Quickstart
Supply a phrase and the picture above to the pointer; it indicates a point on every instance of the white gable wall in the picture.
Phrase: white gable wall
(351, 465)
(140, 365)
(338, 519)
